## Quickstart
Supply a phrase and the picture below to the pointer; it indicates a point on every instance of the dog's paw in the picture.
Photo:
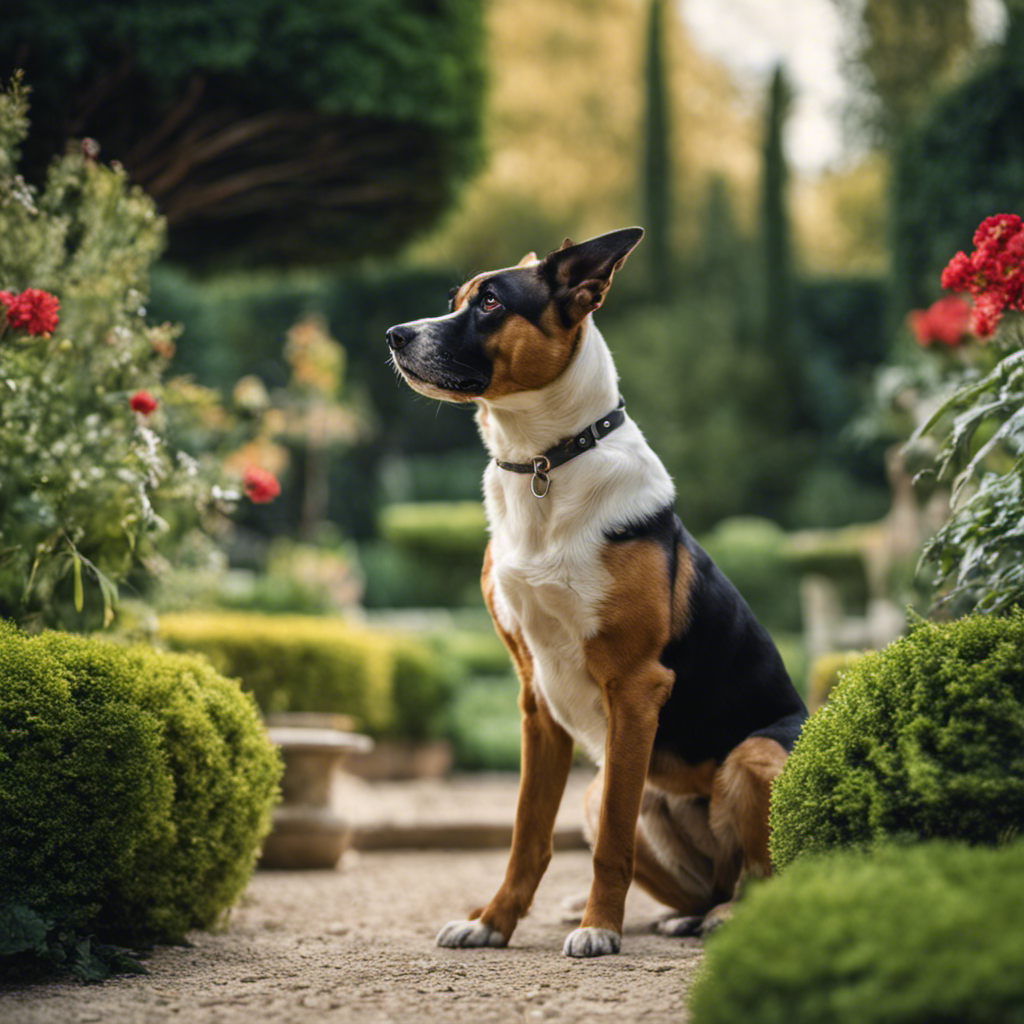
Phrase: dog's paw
(469, 934)
(592, 942)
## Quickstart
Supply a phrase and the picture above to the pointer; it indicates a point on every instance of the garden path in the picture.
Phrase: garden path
(357, 944)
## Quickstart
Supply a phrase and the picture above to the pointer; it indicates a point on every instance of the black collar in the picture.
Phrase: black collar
(566, 449)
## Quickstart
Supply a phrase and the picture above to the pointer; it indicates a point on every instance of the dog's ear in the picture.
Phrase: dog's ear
(580, 275)
(530, 257)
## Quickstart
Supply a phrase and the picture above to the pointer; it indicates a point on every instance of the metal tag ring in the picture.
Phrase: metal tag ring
(544, 479)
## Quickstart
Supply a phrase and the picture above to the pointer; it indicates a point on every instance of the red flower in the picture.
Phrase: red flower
(6, 298)
(143, 402)
(260, 486)
(994, 273)
(943, 322)
(33, 310)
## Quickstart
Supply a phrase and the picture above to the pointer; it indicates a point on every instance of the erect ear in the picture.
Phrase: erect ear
(580, 275)
(530, 257)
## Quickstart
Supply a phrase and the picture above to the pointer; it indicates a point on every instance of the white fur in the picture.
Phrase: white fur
(549, 581)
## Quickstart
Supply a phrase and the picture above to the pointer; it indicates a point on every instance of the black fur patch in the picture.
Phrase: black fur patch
(730, 680)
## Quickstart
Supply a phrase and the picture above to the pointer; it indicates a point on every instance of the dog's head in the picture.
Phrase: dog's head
(510, 330)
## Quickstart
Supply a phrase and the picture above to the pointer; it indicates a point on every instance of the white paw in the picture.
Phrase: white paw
(592, 942)
(463, 934)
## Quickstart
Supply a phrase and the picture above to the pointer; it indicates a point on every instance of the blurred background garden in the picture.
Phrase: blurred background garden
(206, 449)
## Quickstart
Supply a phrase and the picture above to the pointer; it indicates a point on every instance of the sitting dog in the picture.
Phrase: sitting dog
(627, 638)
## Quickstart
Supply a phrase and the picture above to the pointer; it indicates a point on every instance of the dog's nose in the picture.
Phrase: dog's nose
(398, 337)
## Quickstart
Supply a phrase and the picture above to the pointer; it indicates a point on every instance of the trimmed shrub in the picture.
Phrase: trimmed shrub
(135, 786)
(925, 933)
(924, 739)
(392, 683)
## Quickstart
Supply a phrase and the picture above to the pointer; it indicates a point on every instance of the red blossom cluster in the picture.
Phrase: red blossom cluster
(259, 485)
(993, 274)
(33, 311)
(945, 322)
(143, 402)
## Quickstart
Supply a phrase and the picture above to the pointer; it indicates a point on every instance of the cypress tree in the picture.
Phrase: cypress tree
(657, 200)
(776, 250)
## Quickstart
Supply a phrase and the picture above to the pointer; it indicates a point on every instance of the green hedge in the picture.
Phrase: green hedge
(923, 739)
(931, 933)
(393, 684)
(135, 787)
(430, 555)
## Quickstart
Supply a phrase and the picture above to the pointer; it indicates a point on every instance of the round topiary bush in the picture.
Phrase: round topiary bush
(931, 932)
(924, 739)
(135, 786)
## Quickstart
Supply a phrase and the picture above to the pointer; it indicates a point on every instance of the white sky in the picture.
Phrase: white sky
(751, 36)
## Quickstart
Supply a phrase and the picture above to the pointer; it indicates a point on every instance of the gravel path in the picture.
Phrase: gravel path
(357, 944)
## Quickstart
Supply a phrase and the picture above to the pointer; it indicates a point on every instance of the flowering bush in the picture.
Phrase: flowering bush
(979, 553)
(993, 273)
(108, 468)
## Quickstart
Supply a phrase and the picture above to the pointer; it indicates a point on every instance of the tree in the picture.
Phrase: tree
(775, 245)
(657, 164)
(902, 51)
(963, 161)
(304, 132)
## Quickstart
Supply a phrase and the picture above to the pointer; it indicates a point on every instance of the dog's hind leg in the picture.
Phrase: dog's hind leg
(739, 816)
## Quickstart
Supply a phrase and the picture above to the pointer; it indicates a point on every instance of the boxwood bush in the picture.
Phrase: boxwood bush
(135, 787)
(392, 683)
(931, 932)
(924, 739)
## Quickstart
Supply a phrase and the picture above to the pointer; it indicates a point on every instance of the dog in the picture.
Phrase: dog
(626, 637)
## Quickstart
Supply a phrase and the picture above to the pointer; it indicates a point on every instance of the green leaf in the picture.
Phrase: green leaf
(21, 930)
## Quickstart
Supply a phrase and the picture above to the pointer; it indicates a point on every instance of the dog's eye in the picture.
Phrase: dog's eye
(489, 302)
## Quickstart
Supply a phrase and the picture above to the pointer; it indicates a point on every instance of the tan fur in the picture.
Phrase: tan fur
(685, 573)
(526, 358)
(672, 775)
(623, 660)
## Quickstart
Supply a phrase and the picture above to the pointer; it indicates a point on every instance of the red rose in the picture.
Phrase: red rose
(143, 401)
(260, 486)
(33, 311)
(943, 322)
(6, 298)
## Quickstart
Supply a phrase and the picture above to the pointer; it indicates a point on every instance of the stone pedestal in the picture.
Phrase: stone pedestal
(307, 833)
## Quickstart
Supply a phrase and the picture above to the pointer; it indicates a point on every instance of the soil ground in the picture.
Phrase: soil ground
(356, 944)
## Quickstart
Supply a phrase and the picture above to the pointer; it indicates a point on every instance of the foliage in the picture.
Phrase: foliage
(960, 162)
(483, 724)
(776, 257)
(925, 933)
(430, 555)
(304, 133)
(595, 52)
(902, 51)
(715, 390)
(32, 946)
(135, 789)
(977, 553)
(92, 491)
(923, 739)
(392, 683)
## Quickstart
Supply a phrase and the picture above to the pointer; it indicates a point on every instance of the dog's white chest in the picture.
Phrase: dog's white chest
(553, 597)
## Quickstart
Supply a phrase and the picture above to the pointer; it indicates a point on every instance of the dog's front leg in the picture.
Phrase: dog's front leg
(546, 759)
(631, 706)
